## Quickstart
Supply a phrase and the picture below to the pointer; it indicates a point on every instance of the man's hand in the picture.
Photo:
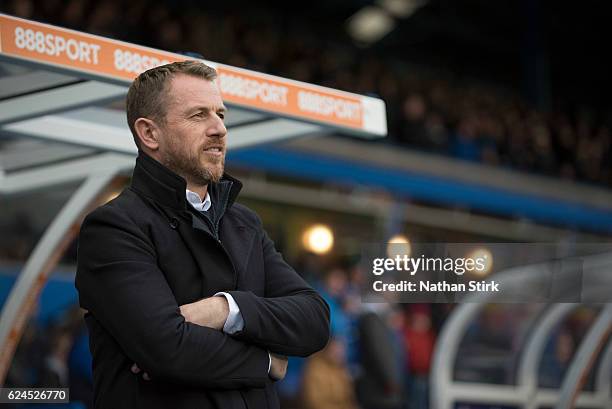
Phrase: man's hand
(209, 312)
(278, 366)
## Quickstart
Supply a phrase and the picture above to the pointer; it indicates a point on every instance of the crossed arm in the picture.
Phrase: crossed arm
(184, 343)
(213, 312)
(290, 319)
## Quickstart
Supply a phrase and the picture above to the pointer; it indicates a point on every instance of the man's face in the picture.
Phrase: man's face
(193, 136)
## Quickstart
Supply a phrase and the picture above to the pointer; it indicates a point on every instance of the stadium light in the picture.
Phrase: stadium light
(399, 245)
(485, 254)
(318, 239)
(370, 24)
(402, 8)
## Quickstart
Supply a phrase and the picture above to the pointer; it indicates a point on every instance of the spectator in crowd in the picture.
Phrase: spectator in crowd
(380, 383)
(54, 373)
(419, 340)
(556, 360)
(28, 357)
(327, 383)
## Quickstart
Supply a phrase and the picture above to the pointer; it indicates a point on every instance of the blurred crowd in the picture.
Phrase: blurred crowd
(379, 355)
(428, 108)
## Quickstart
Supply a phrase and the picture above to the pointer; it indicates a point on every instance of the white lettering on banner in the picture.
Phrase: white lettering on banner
(326, 105)
(132, 62)
(252, 89)
(55, 45)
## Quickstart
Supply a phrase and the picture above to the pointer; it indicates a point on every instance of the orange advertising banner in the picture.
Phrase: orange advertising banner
(114, 59)
(281, 95)
(72, 49)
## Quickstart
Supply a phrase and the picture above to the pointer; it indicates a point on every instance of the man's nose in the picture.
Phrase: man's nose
(217, 128)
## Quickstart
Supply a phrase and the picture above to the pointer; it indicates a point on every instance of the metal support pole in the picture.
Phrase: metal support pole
(43, 259)
(584, 359)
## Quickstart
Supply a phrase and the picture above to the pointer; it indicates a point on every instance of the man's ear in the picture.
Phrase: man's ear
(148, 133)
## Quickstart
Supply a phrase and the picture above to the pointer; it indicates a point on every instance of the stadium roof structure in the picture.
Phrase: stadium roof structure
(62, 119)
(59, 85)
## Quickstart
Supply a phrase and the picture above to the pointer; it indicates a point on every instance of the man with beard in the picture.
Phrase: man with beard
(189, 304)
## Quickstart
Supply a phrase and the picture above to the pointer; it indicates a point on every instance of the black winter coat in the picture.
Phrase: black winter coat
(147, 252)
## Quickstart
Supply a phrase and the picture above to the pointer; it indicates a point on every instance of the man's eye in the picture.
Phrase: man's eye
(221, 115)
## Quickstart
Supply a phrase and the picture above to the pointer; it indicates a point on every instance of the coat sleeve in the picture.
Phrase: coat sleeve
(291, 319)
(121, 285)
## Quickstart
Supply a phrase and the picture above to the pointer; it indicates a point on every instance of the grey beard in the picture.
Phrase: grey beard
(189, 171)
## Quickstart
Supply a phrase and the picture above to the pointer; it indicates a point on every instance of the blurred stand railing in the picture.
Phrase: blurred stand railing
(51, 247)
(445, 391)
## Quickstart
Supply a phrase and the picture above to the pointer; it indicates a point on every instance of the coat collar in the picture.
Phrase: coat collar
(159, 183)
